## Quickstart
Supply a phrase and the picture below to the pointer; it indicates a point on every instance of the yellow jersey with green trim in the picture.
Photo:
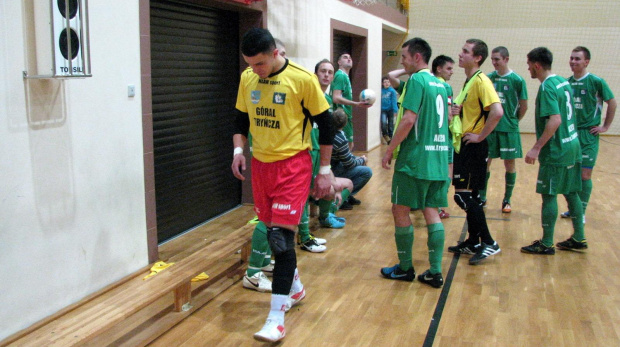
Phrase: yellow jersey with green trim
(280, 107)
(477, 104)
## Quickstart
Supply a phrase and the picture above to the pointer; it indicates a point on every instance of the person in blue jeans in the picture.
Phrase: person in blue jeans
(389, 108)
(345, 164)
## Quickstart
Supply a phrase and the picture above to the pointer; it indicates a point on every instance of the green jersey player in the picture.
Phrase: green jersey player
(421, 169)
(589, 93)
(557, 149)
(443, 68)
(505, 140)
(342, 93)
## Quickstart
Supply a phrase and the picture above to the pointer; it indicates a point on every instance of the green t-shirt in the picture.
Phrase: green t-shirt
(448, 90)
(510, 88)
(424, 152)
(555, 97)
(450, 97)
(589, 92)
(342, 82)
(314, 134)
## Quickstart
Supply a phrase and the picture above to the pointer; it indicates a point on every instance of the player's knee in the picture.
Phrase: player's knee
(586, 175)
(464, 200)
(510, 165)
(280, 240)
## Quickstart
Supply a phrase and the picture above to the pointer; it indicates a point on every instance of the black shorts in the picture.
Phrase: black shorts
(470, 166)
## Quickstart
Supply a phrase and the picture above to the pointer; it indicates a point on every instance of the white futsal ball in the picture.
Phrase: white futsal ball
(367, 96)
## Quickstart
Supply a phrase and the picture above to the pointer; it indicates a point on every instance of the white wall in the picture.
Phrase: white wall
(72, 212)
(522, 26)
(304, 26)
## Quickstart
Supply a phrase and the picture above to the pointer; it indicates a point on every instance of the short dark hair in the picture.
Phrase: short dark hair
(316, 67)
(256, 41)
(339, 118)
(418, 45)
(541, 55)
(341, 54)
(480, 49)
(384, 78)
(586, 52)
(440, 61)
(503, 51)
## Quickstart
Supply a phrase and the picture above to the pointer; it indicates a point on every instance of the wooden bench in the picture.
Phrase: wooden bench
(137, 311)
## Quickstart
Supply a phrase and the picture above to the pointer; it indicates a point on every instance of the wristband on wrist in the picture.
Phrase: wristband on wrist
(238, 150)
(324, 170)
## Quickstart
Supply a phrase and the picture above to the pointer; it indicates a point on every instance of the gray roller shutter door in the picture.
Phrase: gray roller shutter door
(195, 73)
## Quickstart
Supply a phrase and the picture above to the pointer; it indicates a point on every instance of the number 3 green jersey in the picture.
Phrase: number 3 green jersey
(589, 92)
(424, 152)
(555, 97)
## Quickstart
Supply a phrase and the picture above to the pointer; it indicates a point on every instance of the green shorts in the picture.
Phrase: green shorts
(554, 180)
(417, 193)
(505, 145)
(316, 164)
(589, 148)
(348, 130)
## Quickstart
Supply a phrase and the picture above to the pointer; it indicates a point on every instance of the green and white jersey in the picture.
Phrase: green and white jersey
(342, 82)
(314, 135)
(448, 90)
(510, 88)
(589, 92)
(555, 97)
(329, 100)
(424, 152)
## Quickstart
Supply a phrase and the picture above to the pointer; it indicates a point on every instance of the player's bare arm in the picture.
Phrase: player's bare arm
(609, 118)
(337, 98)
(404, 127)
(242, 129)
(495, 114)
(553, 123)
(238, 164)
(394, 77)
(522, 109)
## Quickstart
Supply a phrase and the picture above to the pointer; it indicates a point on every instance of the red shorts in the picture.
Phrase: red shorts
(281, 188)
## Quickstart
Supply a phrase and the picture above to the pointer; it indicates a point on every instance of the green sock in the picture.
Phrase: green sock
(511, 179)
(549, 216)
(302, 228)
(483, 192)
(436, 238)
(260, 249)
(345, 195)
(575, 206)
(404, 246)
(584, 194)
(324, 208)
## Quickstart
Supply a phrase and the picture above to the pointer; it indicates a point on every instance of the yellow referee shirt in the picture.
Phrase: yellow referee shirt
(280, 108)
(476, 106)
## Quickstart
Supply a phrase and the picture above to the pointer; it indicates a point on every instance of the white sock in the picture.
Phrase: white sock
(278, 307)
(297, 285)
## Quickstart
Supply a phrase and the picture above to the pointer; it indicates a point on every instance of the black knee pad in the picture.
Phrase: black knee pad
(280, 240)
(464, 200)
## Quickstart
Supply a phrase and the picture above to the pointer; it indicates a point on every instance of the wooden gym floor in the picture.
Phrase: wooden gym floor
(511, 299)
